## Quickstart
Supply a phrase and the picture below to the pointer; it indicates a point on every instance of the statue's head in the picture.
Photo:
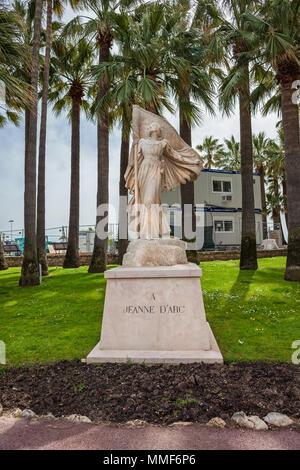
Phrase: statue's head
(154, 130)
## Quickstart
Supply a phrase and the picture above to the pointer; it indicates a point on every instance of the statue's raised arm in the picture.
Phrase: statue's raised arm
(160, 160)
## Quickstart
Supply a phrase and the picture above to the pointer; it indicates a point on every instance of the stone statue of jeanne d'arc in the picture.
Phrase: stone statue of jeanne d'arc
(160, 160)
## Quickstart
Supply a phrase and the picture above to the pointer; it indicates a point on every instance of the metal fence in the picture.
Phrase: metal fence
(15, 238)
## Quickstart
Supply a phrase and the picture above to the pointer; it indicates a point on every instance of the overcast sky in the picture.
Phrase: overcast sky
(58, 164)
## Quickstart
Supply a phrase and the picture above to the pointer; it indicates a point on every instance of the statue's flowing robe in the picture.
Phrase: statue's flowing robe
(157, 166)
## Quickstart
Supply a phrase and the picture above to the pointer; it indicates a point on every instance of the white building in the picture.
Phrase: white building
(86, 241)
(218, 202)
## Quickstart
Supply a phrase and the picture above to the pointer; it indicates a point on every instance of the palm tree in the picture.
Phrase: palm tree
(69, 82)
(260, 157)
(56, 7)
(13, 52)
(118, 103)
(40, 236)
(230, 159)
(136, 74)
(268, 95)
(281, 157)
(22, 70)
(237, 85)
(30, 267)
(211, 151)
(122, 92)
(276, 196)
(100, 29)
(118, 100)
(278, 30)
(191, 82)
(274, 201)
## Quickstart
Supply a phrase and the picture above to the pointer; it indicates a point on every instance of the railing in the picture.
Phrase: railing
(13, 240)
(59, 234)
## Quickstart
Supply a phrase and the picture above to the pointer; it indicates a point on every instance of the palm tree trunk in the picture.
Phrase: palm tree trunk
(123, 192)
(41, 245)
(276, 217)
(188, 218)
(263, 201)
(26, 133)
(276, 208)
(284, 193)
(3, 264)
(30, 267)
(248, 258)
(290, 120)
(72, 259)
(99, 257)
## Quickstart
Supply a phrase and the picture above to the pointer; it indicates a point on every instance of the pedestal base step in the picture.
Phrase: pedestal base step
(214, 355)
(153, 357)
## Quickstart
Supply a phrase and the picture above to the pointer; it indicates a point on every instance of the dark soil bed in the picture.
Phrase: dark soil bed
(157, 394)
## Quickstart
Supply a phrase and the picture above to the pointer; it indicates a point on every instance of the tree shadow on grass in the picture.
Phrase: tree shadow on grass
(266, 275)
(236, 297)
(71, 280)
(241, 285)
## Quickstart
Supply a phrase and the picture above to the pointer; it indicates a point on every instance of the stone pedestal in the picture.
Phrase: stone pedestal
(155, 315)
(269, 244)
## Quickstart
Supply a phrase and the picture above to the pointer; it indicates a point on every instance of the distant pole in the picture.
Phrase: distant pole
(11, 230)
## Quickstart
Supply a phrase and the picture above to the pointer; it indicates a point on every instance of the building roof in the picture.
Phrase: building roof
(229, 172)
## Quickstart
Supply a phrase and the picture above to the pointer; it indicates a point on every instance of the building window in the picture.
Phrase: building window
(223, 225)
(217, 185)
(220, 186)
(226, 186)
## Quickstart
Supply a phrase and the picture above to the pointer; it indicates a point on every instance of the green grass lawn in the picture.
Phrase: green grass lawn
(254, 315)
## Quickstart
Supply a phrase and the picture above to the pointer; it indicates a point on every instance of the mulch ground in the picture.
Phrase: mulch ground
(159, 394)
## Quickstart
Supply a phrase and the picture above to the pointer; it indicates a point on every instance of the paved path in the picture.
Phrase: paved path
(21, 434)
